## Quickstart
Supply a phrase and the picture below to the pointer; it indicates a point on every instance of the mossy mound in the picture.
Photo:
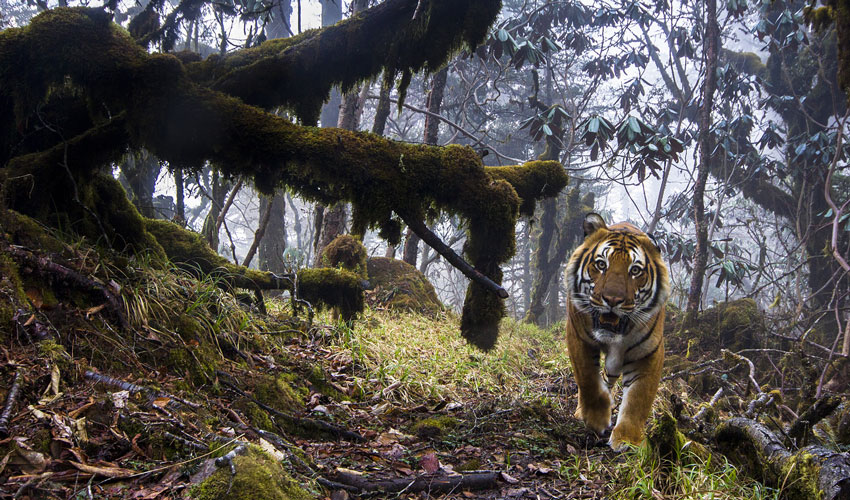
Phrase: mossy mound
(346, 252)
(733, 325)
(258, 475)
(398, 285)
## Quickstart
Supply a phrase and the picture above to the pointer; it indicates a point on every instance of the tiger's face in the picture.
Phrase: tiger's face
(617, 276)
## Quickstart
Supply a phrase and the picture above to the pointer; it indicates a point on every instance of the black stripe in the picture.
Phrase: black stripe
(646, 336)
(650, 353)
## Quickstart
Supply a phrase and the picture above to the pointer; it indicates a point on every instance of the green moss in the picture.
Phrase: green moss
(198, 362)
(346, 252)
(26, 231)
(298, 72)
(736, 325)
(191, 252)
(277, 393)
(435, 427)
(257, 416)
(748, 63)
(332, 288)
(398, 285)
(319, 381)
(12, 294)
(532, 181)
(258, 475)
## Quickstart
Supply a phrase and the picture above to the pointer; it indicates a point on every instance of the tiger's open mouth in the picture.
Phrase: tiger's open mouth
(610, 321)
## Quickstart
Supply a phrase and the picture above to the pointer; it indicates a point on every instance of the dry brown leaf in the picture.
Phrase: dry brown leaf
(94, 310)
(429, 462)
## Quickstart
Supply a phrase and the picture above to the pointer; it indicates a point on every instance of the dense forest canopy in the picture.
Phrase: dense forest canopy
(467, 139)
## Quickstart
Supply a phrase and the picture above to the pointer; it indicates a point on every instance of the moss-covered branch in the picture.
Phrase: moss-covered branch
(298, 72)
(170, 114)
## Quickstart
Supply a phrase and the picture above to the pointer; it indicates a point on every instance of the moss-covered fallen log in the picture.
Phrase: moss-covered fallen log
(808, 473)
(150, 100)
(323, 288)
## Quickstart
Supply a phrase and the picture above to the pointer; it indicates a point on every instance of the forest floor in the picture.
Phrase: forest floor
(426, 405)
(182, 392)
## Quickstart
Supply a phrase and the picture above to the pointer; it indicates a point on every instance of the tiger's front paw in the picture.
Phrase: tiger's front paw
(596, 416)
(625, 435)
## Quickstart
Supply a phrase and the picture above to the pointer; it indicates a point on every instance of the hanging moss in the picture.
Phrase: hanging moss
(258, 475)
(332, 288)
(346, 252)
(398, 285)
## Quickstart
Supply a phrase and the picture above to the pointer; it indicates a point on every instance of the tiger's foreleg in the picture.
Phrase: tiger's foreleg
(639, 390)
(594, 399)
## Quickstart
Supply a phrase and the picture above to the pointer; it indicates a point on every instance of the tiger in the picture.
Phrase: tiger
(617, 285)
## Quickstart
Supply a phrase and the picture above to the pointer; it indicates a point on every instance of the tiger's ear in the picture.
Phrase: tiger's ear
(592, 222)
(654, 241)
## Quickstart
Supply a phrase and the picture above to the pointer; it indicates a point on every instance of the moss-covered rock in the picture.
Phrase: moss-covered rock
(398, 285)
(346, 252)
(258, 475)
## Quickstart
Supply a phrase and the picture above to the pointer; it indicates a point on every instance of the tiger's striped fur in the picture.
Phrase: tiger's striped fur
(618, 287)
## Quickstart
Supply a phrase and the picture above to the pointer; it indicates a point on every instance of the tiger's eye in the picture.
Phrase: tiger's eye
(600, 265)
(636, 271)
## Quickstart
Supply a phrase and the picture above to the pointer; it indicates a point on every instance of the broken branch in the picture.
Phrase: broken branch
(434, 241)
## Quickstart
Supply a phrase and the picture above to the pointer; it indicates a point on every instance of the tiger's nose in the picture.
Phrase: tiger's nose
(613, 300)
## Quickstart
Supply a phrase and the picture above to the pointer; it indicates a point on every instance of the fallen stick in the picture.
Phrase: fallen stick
(432, 483)
(11, 399)
(434, 241)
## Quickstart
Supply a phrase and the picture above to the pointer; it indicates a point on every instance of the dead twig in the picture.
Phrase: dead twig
(432, 483)
(11, 399)
(133, 388)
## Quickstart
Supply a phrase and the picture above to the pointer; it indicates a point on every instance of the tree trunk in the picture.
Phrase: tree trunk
(331, 14)
(273, 243)
(712, 37)
(554, 240)
(333, 225)
(382, 110)
(219, 189)
(810, 472)
(140, 172)
(180, 214)
(265, 216)
(411, 248)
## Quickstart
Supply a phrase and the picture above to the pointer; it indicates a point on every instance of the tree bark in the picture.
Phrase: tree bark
(706, 145)
(140, 172)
